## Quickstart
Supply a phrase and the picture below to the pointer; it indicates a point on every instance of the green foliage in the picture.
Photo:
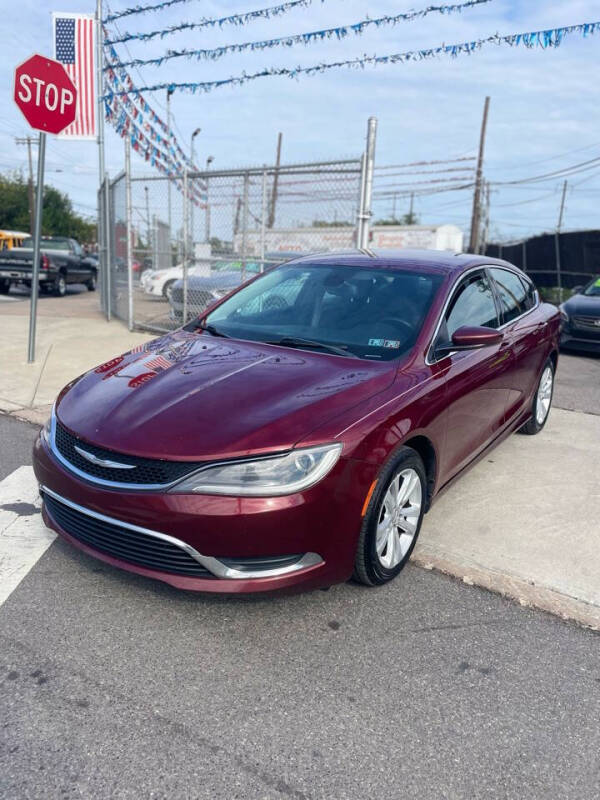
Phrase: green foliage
(321, 223)
(58, 217)
(405, 219)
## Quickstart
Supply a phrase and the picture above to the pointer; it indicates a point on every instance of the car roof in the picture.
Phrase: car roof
(445, 261)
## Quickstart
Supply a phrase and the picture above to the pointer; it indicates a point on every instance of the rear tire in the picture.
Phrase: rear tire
(542, 401)
(167, 289)
(393, 519)
(4, 287)
(60, 286)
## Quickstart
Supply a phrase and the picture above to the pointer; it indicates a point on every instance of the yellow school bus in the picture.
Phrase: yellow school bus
(10, 239)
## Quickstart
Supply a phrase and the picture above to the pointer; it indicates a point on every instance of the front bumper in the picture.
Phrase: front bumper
(321, 525)
(572, 341)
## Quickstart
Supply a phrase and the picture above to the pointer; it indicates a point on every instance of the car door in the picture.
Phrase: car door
(525, 331)
(476, 380)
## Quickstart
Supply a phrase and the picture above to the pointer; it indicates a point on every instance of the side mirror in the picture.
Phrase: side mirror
(470, 338)
(577, 289)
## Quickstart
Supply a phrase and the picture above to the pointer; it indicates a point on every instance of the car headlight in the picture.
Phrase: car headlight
(563, 313)
(264, 477)
(46, 432)
(219, 293)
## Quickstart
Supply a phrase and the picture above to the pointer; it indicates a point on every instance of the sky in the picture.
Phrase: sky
(544, 110)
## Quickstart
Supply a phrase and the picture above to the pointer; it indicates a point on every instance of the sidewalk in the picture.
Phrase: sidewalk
(524, 522)
(72, 337)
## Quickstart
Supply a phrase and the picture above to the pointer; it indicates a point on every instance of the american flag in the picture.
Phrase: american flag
(157, 363)
(74, 47)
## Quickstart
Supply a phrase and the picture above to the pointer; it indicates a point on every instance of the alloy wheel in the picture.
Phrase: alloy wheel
(398, 518)
(544, 395)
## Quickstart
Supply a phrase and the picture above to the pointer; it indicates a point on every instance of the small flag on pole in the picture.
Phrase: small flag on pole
(75, 48)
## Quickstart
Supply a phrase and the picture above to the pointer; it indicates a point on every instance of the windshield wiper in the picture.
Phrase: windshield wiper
(211, 329)
(295, 341)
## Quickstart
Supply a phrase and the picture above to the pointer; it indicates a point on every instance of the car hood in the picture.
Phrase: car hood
(191, 396)
(580, 304)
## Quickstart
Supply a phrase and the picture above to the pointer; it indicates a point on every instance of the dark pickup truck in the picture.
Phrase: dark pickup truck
(62, 261)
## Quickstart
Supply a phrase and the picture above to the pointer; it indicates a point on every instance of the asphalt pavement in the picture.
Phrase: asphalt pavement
(115, 686)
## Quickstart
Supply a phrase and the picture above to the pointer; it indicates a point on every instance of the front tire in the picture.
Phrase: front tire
(167, 289)
(91, 284)
(4, 287)
(393, 519)
(542, 401)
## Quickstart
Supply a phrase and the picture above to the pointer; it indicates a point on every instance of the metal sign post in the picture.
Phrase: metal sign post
(37, 232)
(47, 98)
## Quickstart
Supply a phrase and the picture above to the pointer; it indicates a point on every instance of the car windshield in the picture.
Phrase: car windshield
(593, 288)
(370, 313)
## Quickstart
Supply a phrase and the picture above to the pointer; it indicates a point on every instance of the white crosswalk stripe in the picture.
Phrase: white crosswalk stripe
(23, 536)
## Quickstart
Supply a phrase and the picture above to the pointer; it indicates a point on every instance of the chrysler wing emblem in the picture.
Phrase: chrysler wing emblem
(102, 462)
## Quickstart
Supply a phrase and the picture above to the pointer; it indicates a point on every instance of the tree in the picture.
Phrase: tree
(405, 219)
(58, 217)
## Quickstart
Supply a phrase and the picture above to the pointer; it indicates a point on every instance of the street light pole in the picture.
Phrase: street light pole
(192, 156)
(209, 161)
(169, 138)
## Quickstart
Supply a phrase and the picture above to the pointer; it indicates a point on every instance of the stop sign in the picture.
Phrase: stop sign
(45, 94)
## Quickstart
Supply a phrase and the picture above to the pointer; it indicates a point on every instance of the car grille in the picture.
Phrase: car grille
(590, 324)
(145, 470)
(128, 545)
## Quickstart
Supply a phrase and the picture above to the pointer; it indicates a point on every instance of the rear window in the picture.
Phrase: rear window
(47, 244)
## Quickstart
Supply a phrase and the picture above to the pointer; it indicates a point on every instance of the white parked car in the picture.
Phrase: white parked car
(159, 283)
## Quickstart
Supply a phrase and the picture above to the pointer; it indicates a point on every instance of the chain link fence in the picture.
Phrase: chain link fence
(194, 237)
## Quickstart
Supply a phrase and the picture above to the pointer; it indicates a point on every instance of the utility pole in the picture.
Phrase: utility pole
(29, 140)
(476, 214)
(271, 220)
(557, 241)
(412, 205)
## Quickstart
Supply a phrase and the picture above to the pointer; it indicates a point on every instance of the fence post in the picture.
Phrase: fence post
(129, 234)
(558, 266)
(108, 248)
(245, 224)
(185, 244)
(370, 166)
(263, 220)
(361, 199)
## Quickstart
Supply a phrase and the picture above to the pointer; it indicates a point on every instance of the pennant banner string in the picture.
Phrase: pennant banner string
(339, 32)
(302, 38)
(545, 38)
(232, 19)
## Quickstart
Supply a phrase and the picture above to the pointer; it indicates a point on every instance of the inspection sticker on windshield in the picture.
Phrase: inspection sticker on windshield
(393, 343)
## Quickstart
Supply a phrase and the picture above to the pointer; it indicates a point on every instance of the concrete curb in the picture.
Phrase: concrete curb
(524, 592)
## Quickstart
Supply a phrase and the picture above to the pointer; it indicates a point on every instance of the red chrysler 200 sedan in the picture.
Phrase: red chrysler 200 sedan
(296, 433)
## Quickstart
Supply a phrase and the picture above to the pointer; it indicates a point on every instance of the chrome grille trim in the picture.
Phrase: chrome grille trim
(213, 565)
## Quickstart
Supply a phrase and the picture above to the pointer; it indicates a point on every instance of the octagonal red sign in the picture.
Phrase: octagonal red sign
(45, 94)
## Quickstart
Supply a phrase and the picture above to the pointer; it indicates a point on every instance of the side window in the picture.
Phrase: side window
(76, 247)
(530, 294)
(472, 304)
(513, 294)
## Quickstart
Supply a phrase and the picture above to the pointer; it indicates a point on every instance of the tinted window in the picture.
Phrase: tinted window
(371, 313)
(472, 304)
(514, 299)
